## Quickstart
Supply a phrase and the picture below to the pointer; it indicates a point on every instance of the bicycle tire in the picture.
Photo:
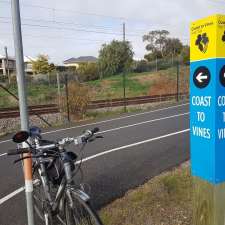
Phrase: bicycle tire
(82, 213)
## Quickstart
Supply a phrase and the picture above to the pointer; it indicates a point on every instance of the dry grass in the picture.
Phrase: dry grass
(164, 83)
(138, 84)
(165, 200)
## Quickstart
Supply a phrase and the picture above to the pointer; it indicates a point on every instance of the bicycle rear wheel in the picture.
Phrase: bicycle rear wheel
(41, 214)
(80, 212)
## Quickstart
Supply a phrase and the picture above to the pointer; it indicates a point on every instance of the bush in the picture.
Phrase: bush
(88, 71)
(78, 98)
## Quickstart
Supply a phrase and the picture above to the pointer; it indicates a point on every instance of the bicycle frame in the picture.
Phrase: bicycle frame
(66, 185)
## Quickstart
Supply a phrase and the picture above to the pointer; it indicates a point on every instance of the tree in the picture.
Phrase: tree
(173, 46)
(161, 46)
(157, 40)
(41, 65)
(115, 57)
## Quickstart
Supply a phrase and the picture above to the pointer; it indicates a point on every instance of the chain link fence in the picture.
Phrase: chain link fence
(73, 92)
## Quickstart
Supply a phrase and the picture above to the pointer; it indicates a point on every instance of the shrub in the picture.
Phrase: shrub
(78, 98)
(88, 71)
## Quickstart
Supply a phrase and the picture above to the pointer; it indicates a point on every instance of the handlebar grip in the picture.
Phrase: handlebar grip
(17, 151)
(95, 130)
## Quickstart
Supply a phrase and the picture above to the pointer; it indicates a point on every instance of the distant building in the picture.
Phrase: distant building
(12, 65)
(74, 62)
(28, 64)
(4, 68)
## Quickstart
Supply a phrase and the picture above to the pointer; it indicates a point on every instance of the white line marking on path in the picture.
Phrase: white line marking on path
(106, 121)
(132, 145)
(144, 122)
(132, 125)
(11, 195)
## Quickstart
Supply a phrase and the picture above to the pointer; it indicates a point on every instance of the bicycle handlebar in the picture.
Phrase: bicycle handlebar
(65, 141)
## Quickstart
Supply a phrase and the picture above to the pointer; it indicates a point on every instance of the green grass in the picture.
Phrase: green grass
(37, 94)
(137, 84)
(115, 89)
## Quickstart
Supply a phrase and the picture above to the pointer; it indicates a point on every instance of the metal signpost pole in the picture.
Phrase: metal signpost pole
(22, 103)
(207, 119)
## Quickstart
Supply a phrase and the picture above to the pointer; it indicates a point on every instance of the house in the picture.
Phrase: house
(28, 64)
(4, 68)
(74, 62)
(12, 65)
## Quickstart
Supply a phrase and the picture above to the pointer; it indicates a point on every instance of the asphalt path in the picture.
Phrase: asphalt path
(135, 148)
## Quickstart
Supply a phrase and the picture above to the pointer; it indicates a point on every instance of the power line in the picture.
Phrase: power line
(101, 31)
(62, 23)
(71, 29)
(105, 28)
(58, 37)
(66, 10)
(62, 28)
(122, 19)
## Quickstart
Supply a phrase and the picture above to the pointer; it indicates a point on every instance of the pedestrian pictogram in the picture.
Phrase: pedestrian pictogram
(202, 42)
(201, 77)
(222, 76)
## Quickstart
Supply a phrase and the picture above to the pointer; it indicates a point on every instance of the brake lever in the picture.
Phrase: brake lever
(91, 139)
(95, 137)
(99, 136)
(21, 159)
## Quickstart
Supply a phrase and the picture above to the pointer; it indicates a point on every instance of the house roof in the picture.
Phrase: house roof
(9, 57)
(28, 59)
(81, 59)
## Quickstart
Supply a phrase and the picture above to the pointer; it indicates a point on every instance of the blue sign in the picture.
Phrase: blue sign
(207, 119)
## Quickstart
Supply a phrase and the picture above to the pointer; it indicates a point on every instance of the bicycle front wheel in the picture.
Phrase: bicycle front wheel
(80, 212)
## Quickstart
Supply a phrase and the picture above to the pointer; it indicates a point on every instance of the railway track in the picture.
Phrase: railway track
(53, 108)
(134, 100)
(33, 110)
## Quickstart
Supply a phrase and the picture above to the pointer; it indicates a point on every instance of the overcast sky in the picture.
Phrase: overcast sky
(73, 28)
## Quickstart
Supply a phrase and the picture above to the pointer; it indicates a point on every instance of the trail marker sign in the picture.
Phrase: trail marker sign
(207, 99)
(207, 119)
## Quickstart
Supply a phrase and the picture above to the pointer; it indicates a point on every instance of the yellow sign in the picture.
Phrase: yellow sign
(208, 38)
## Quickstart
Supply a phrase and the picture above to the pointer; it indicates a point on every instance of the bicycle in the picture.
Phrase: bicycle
(57, 198)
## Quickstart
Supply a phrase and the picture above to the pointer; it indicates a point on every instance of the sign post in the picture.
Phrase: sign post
(207, 119)
(23, 104)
